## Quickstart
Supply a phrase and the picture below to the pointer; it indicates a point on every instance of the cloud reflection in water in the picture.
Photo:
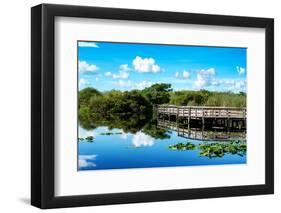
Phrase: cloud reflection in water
(141, 139)
(87, 161)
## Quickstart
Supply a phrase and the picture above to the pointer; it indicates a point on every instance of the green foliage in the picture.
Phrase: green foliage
(119, 107)
(189, 98)
(151, 129)
(158, 93)
(226, 99)
(212, 150)
(89, 138)
(183, 146)
(206, 98)
(111, 133)
(130, 110)
(85, 95)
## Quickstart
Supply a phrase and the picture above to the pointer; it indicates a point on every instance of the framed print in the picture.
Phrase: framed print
(139, 106)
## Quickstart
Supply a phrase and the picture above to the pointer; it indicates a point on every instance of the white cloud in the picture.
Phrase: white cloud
(232, 85)
(85, 67)
(145, 65)
(186, 74)
(124, 135)
(240, 70)
(238, 86)
(120, 74)
(86, 161)
(142, 85)
(205, 77)
(85, 133)
(131, 85)
(108, 74)
(210, 71)
(87, 44)
(83, 82)
(124, 67)
(141, 139)
(123, 83)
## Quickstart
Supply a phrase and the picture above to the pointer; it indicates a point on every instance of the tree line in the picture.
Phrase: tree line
(94, 105)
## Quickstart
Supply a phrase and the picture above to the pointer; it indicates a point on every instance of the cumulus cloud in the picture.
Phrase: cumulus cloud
(124, 135)
(86, 67)
(83, 82)
(108, 74)
(240, 70)
(124, 67)
(120, 74)
(237, 86)
(122, 83)
(87, 44)
(232, 85)
(141, 139)
(205, 77)
(131, 85)
(86, 161)
(145, 65)
(142, 85)
(186, 74)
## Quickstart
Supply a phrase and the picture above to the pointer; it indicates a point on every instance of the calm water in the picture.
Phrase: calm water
(115, 149)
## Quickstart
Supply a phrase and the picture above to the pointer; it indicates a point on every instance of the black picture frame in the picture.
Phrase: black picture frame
(43, 102)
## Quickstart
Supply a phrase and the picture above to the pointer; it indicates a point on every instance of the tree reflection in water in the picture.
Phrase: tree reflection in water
(230, 142)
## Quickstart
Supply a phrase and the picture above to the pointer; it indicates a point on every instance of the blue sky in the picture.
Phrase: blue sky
(126, 66)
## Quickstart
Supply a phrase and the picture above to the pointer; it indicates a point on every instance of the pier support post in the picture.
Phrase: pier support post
(188, 118)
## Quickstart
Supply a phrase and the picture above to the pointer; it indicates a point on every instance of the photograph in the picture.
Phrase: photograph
(145, 105)
(133, 105)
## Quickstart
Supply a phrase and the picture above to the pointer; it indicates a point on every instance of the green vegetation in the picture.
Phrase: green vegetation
(87, 139)
(151, 129)
(182, 146)
(212, 150)
(207, 98)
(132, 110)
(111, 133)
(157, 93)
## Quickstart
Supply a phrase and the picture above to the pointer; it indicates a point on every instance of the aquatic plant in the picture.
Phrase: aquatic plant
(86, 139)
(214, 149)
(182, 146)
(111, 133)
(89, 138)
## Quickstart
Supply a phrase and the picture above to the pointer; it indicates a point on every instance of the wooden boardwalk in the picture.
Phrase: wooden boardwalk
(203, 112)
(206, 117)
(200, 134)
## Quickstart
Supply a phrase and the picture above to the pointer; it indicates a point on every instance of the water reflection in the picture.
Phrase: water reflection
(155, 143)
(85, 161)
(199, 133)
(141, 139)
(159, 129)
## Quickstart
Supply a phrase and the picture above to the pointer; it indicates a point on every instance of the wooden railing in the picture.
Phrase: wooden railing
(203, 112)
(199, 134)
